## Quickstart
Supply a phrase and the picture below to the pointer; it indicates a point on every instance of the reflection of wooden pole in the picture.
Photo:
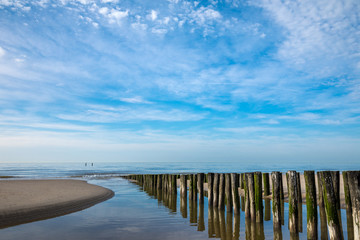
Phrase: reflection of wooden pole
(330, 203)
(216, 190)
(276, 200)
(354, 187)
(258, 196)
(228, 193)
(311, 204)
(221, 205)
(293, 201)
(235, 192)
(210, 180)
(200, 187)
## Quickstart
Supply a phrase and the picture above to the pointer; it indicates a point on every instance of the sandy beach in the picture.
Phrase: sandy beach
(24, 201)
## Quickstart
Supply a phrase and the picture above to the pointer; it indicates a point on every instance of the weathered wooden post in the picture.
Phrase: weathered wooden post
(228, 192)
(266, 184)
(346, 190)
(354, 187)
(330, 202)
(267, 208)
(174, 184)
(251, 191)
(221, 205)
(293, 202)
(298, 182)
(242, 179)
(247, 198)
(194, 187)
(200, 187)
(235, 192)
(258, 196)
(183, 185)
(323, 224)
(311, 205)
(191, 191)
(159, 182)
(210, 180)
(349, 217)
(276, 200)
(320, 190)
(336, 184)
(216, 190)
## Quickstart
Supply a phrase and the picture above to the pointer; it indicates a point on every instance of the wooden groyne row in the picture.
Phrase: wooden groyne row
(224, 191)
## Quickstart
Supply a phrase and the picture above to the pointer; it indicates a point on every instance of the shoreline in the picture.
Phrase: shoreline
(24, 201)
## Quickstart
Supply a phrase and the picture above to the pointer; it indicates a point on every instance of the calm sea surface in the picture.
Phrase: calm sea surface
(137, 213)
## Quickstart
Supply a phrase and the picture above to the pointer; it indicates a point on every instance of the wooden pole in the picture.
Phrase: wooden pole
(183, 185)
(235, 192)
(311, 205)
(200, 187)
(331, 205)
(216, 190)
(299, 188)
(251, 191)
(174, 184)
(258, 196)
(194, 187)
(191, 191)
(221, 205)
(354, 187)
(276, 200)
(266, 184)
(346, 190)
(247, 197)
(210, 180)
(159, 182)
(228, 192)
(293, 201)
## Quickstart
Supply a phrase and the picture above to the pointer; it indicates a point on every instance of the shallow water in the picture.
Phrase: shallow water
(137, 214)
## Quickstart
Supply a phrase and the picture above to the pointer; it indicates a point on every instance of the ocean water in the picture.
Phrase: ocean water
(139, 213)
(88, 169)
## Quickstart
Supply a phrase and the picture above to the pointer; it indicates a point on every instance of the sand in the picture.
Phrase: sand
(24, 201)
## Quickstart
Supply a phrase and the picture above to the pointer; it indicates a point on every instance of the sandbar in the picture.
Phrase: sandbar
(23, 201)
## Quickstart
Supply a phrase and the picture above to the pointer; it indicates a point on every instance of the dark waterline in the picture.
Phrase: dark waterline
(136, 214)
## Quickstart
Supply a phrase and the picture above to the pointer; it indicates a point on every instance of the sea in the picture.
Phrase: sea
(138, 213)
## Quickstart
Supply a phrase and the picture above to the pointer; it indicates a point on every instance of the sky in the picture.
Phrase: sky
(170, 80)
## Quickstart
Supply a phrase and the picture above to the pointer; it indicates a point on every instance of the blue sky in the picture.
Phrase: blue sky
(119, 80)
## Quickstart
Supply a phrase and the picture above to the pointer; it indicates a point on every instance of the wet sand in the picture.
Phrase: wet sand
(24, 201)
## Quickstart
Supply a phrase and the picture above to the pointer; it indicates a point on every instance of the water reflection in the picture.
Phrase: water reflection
(225, 225)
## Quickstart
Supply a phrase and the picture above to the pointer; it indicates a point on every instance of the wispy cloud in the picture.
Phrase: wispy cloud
(233, 73)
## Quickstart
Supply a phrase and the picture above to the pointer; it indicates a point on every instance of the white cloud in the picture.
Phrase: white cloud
(109, 1)
(137, 99)
(323, 32)
(117, 15)
(2, 52)
(152, 15)
(203, 15)
(103, 10)
(104, 114)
